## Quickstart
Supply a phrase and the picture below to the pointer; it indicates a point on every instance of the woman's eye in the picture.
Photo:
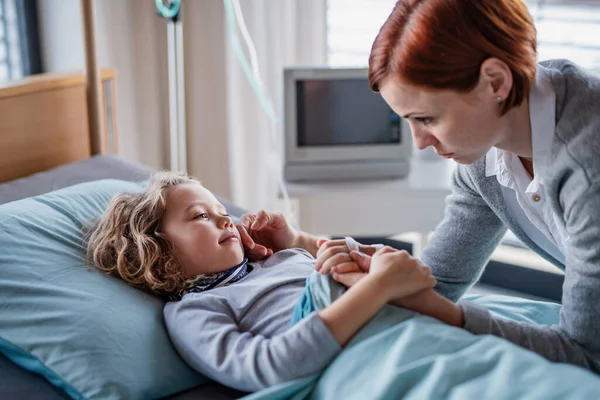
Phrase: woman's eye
(424, 120)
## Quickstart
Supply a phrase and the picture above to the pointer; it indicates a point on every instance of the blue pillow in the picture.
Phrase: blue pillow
(89, 334)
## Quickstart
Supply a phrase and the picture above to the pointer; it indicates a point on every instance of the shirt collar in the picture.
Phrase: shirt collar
(491, 162)
(542, 113)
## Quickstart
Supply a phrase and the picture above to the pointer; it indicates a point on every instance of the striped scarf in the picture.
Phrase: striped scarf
(212, 281)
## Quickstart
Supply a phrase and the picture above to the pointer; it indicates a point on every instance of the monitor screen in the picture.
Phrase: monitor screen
(339, 112)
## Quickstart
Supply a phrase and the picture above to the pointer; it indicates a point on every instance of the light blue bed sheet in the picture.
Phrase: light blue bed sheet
(400, 354)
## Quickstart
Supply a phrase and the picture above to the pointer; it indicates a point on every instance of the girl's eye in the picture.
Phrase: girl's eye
(424, 120)
(201, 215)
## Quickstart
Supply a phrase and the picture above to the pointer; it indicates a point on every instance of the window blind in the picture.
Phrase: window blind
(10, 57)
(566, 29)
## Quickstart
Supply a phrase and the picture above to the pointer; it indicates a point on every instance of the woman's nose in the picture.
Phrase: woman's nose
(423, 140)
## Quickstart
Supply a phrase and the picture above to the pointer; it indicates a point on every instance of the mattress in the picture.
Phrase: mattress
(16, 383)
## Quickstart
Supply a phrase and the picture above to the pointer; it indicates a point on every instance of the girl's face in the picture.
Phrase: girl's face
(201, 231)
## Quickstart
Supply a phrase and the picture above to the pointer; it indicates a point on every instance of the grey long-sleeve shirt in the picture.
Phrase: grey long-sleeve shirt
(476, 218)
(240, 335)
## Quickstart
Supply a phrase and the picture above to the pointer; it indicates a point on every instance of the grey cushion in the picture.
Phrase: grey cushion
(98, 167)
(91, 169)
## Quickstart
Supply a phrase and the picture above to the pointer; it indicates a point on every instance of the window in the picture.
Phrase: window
(569, 31)
(351, 28)
(10, 59)
(566, 29)
(19, 40)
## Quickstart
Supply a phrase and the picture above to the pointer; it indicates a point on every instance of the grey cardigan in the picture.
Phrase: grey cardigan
(476, 218)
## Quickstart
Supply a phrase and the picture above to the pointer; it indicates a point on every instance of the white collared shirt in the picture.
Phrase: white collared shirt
(522, 194)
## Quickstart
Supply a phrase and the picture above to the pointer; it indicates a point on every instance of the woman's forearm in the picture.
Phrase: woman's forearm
(345, 316)
(433, 304)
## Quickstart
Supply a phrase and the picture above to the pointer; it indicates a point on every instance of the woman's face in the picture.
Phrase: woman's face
(461, 126)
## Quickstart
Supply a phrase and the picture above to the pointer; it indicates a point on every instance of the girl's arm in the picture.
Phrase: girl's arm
(345, 316)
(307, 242)
(207, 336)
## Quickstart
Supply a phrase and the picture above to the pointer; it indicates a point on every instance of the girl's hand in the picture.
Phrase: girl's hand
(264, 233)
(400, 274)
(349, 276)
(334, 255)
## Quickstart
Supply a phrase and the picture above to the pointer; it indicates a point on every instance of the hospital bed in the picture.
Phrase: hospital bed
(45, 153)
(45, 146)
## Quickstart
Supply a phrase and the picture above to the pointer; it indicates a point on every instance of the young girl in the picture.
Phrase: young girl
(230, 318)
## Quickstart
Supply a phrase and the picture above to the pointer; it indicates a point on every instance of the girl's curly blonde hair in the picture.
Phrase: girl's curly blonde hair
(126, 242)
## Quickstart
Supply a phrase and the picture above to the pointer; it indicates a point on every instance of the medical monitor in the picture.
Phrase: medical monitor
(336, 127)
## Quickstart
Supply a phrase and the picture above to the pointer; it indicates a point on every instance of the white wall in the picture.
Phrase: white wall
(206, 103)
(132, 39)
(61, 35)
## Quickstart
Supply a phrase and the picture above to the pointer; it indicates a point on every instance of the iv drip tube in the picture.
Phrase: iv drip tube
(233, 13)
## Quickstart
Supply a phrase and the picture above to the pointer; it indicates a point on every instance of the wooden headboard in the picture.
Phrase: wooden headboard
(44, 122)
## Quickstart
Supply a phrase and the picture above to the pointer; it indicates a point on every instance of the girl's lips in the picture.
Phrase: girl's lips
(229, 237)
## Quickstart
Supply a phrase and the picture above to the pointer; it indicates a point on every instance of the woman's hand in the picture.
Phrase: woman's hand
(392, 274)
(399, 273)
(334, 255)
(426, 302)
(264, 233)
(349, 267)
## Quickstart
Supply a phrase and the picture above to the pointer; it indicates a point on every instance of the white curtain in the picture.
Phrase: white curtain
(285, 33)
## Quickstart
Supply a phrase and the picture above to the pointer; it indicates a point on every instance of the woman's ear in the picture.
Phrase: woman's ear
(497, 78)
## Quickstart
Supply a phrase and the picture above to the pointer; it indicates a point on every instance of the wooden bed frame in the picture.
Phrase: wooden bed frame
(48, 120)
(44, 122)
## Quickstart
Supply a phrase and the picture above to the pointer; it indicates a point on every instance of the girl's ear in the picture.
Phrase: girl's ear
(160, 239)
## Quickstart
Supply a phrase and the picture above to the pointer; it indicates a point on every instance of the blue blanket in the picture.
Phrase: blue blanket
(401, 354)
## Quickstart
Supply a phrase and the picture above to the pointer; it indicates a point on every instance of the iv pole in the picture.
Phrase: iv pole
(93, 79)
(171, 10)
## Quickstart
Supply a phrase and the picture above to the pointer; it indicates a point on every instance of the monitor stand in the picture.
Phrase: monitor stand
(346, 171)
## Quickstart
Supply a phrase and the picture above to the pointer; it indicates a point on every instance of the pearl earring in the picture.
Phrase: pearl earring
(499, 99)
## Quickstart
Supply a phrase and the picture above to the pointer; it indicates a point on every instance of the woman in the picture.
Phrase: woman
(526, 137)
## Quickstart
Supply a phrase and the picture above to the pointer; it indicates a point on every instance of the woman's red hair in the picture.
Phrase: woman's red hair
(441, 44)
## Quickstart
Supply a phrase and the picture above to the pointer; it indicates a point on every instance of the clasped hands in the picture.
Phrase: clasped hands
(264, 233)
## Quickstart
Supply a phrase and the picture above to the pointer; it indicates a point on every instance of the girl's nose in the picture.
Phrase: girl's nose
(225, 222)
